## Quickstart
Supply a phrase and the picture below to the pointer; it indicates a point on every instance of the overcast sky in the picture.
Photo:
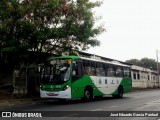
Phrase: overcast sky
(132, 29)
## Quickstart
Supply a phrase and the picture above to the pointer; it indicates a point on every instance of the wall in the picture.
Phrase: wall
(143, 77)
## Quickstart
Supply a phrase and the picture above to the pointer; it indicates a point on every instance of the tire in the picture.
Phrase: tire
(120, 92)
(88, 95)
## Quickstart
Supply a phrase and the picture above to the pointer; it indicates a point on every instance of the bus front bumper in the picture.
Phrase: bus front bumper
(58, 94)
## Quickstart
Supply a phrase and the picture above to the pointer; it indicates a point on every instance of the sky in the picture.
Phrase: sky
(132, 29)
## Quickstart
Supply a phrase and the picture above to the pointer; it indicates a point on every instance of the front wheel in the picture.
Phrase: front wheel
(87, 95)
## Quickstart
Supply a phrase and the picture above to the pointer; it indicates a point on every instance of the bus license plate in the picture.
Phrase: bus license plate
(52, 94)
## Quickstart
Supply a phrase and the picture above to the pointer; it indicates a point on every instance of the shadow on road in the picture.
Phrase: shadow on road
(79, 101)
(47, 105)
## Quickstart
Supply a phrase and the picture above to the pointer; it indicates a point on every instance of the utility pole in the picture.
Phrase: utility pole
(157, 66)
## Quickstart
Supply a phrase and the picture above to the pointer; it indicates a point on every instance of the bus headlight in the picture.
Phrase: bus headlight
(66, 87)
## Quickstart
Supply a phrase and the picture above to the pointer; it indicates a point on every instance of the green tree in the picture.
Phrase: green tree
(134, 62)
(145, 62)
(47, 25)
(149, 63)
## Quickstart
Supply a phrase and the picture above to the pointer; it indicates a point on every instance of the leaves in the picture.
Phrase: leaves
(144, 62)
(47, 25)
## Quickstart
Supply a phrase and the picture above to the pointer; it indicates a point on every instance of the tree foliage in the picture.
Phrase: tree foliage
(134, 62)
(47, 25)
(144, 62)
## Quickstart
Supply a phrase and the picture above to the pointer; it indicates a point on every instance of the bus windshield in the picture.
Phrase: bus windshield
(56, 71)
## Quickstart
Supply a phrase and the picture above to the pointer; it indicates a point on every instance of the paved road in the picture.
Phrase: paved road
(148, 100)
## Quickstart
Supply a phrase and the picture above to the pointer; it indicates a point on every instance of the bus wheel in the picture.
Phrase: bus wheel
(88, 95)
(120, 92)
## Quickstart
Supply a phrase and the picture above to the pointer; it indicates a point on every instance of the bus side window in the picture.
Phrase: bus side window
(126, 72)
(103, 70)
(77, 70)
(100, 69)
(86, 67)
(110, 70)
(119, 72)
(93, 71)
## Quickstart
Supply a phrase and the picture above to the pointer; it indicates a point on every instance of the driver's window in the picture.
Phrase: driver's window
(77, 69)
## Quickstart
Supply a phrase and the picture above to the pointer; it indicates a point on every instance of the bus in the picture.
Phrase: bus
(73, 77)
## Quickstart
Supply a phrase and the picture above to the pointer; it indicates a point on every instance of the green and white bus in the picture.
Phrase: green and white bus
(72, 77)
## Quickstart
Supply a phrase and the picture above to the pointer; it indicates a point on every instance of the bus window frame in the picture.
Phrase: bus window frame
(102, 67)
(86, 72)
(74, 66)
(129, 70)
(122, 71)
(107, 68)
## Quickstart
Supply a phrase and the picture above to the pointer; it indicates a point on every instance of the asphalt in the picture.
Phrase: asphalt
(31, 101)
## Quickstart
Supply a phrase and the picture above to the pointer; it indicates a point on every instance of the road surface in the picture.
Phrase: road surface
(148, 100)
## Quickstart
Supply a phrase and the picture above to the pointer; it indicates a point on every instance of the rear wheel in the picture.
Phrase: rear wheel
(120, 92)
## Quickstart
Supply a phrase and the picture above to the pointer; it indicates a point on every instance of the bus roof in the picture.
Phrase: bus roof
(64, 57)
(90, 59)
(108, 62)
